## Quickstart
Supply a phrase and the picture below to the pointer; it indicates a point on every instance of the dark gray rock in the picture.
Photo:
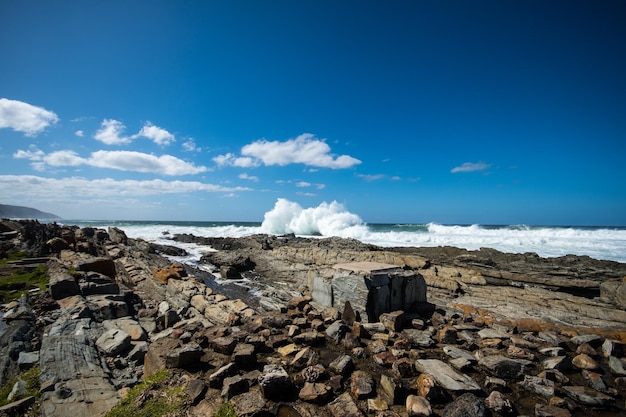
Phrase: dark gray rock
(467, 405)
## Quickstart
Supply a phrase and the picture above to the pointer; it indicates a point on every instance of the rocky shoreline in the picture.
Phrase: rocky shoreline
(506, 334)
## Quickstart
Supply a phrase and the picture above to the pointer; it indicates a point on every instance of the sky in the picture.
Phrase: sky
(416, 111)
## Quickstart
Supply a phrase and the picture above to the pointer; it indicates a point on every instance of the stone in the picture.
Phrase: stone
(586, 349)
(244, 356)
(18, 407)
(138, 351)
(517, 352)
(428, 388)
(386, 359)
(503, 367)
(540, 386)
(344, 406)
(61, 283)
(561, 363)
(362, 385)
(588, 396)
(543, 410)
(446, 376)
(404, 367)
(467, 405)
(447, 335)
(311, 338)
(113, 342)
(456, 353)
(497, 402)
(288, 350)
(225, 345)
(276, 385)
(313, 373)
(342, 365)
(129, 326)
(184, 356)
(617, 366)
(27, 360)
(336, 331)
(349, 316)
(314, 392)
(216, 379)
(195, 389)
(584, 361)
(489, 333)
(591, 339)
(613, 348)
(393, 321)
(234, 385)
(594, 380)
(392, 388)
(376, 405)
(554, 375)
(417, 406)
(305, 357)
(418, 338)
(552, 351)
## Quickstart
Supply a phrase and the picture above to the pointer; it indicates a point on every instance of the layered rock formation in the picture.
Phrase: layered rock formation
(116, 312)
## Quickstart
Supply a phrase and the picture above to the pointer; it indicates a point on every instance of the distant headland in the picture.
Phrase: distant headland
(20, 212)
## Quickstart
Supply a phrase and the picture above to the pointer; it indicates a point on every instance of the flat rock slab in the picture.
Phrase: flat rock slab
(589, 396)
(446, 376)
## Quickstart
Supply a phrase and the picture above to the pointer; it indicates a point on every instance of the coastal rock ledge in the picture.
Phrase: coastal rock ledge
(493, 335)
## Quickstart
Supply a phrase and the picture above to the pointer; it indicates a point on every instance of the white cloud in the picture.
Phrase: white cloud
(142, 162)
(24, 117)
(110, 133)
(120, 160)
(320, 186)
(470, 167)
(395, 178)
(303, 184)
(79, 133)
(306, 194)
(190, 146)
(370, 178)
(232, 160)
(76, 188)
(245, 176)
(156, 134)
(305, 149)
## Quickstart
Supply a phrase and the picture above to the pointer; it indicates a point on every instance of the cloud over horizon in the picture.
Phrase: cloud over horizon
(305, 149)
(119, 160)
(111, 132)
(26, 118)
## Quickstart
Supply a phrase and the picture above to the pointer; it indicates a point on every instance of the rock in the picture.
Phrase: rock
(18, 407)
(467, 405)
(27, 360)
(184, 356)
(616, 366)
(61, 283)
(613, 348)
(428, 388)
(497, 402)
(447, 335)
(305, 357)
(18, 391)
(342, 365)
(344, 406)
(560, 363)
(216, 379)
(584, 361)
(504, 367)
(129, 326)
(492, 334)
(195, 389)
(594, 380)
(276, 385)
(588, 396)
(113, 342)
(536, 385)
(418, 338)
(404, 367)
(244, 356)
(446, 376)
(57, 244)
(393, 321)
(393, 389)
(234, 385)
(552, 351)
(376, 405)
(225, 345)
(417, 406)
(591, 339)
(314, 392)
(362, 385)
(543, 410)
(457, 353)
(336, 331)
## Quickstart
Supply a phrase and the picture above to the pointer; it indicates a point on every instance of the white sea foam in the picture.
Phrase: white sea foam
(332, 219)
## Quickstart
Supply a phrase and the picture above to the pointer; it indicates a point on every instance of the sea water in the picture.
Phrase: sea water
(332, 219)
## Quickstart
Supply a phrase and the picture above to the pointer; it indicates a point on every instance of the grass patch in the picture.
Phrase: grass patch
(31, 377)
(13, 286)
(13, 256)
(153, 398)
(226, 410)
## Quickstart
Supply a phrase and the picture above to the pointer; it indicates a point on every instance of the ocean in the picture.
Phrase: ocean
(326, 220)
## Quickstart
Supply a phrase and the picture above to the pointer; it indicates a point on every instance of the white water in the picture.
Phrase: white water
(332, 219)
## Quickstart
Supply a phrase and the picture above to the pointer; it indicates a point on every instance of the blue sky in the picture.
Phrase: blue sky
(409, 111)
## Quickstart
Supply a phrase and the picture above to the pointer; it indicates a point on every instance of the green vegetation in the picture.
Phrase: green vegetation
(13, 256)
(225, 410)
(13, 286)
(31, 377)
(153, 398)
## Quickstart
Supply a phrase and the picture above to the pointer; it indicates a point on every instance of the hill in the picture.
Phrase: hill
(20, 212)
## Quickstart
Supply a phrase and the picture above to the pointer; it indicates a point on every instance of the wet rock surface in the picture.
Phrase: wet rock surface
(120, 312)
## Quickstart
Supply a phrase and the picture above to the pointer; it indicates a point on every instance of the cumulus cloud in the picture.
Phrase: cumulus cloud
(111, 132)
(305, 149)
(470, 167)
(190, 146)
(120, 160)
(156, 134)
(24, 117)
(245, 176)
(303, 184)
(27, 186)
(79, 133)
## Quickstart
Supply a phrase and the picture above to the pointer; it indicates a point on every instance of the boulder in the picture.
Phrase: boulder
(113, 342)
(315, 392)
(446, 376)
(184, 356)
(276, 385)
(417, 406)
